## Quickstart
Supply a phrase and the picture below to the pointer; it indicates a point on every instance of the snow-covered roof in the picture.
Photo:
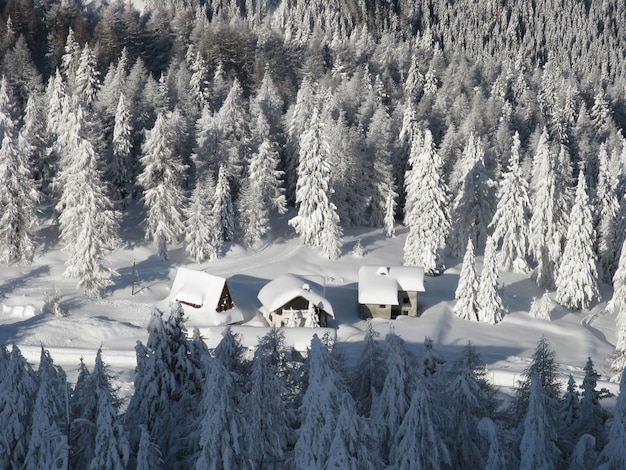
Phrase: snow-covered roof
(197, 288)
(380, 284)
(287, 287)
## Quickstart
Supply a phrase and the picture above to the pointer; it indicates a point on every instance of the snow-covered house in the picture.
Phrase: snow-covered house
(389, 291)
(293, 300)
(205, 298)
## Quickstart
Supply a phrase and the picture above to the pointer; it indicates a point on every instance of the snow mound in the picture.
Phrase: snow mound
(20, 312)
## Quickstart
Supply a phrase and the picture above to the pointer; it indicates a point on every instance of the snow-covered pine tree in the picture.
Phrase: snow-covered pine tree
(487, 296)
(221, 441)
(584, 454)
(352, 446)
(392, 403)
(83, 411)
(262, 192)
(496, 459)
(148, 453)
(121, 170)
(468, 398)
(541, 307)
(607, 208)
(432, 361)
(32, 142)
(87, 220)
(161, 180)
(474, 204)
(426, 208)
(467, 290)
(232, 354)
(617, 304)
(366, 379)
(203, 239)
(55, 97)
(381, 180)
(420, 443)
(538, 432)
(111, 449)
(544, 240)
(266, 408)
(591, 414)
(234, 118)
(316, 212)
(298, 121)
(87, 81)
(613, 454)
(268, 102)
(19, 197)
(577, 279)
(568, 411)
(512, 217)
(319, 410)
(47, 447)
(544, 367)
(18, 390)
(223, 208)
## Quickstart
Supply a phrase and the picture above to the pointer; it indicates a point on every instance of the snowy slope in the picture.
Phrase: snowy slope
(119, 320)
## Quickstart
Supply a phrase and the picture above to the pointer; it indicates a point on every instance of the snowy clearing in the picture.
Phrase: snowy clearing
(119, 320)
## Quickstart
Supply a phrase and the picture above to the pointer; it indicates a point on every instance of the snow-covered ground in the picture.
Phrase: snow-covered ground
(119, 320)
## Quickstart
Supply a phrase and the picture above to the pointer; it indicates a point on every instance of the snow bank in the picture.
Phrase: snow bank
(19, 312)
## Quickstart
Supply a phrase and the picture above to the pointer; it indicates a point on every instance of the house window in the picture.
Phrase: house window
(406, 300)
(382, 306)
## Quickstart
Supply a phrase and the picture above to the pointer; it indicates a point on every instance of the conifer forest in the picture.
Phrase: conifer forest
(489, 128)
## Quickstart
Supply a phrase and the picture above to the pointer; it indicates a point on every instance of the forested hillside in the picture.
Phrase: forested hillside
(493, 127)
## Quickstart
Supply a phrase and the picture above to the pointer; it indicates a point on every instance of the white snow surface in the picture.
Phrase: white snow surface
(119, 320)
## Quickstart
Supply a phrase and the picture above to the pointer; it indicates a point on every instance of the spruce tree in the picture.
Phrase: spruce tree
(87, 220)
(607, 208)
(392, 403)
(221, 442)
(426, 208)
(613, 454)
(511, 219)
(121, 147)
(111, 450)
(421, 444)
(47, 447)
(591, 415)
(538, 433)
(467, 290)
(161, 180)
(320, 407)
(223, 208)
(474, 204)
(83, 412)
(577, 280)
(263, 192)
(19, 198)
(468, 398)
(316, 212)
(268, 417)
(203, 239)
(544, 238)
(541, 307)
(18, 390)
(544, 367)
(487, 296)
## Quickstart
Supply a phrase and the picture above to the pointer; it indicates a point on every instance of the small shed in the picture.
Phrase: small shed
(389, 291)
(294, 300)
(201, 290)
